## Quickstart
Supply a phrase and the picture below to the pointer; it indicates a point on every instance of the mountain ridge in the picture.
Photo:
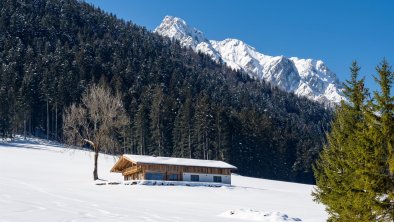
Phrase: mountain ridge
(304, 77)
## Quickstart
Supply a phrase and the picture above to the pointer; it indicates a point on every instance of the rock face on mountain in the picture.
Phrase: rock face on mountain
(304, 77)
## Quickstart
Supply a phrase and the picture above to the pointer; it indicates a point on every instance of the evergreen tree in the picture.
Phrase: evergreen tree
(382, 124)
(352, 174)
(335, 170)
(222, 134)
(132, 134)
(182, 133)
(141, 126)
(157, 122)
(384, 105)
(203, 128)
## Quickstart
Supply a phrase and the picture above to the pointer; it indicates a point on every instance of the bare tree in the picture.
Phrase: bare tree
(99, 120)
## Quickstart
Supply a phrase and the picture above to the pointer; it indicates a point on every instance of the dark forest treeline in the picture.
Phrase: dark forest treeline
(180, 103)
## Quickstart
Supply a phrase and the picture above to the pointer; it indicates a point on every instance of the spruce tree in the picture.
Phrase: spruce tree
(384, 105)
(181, 133)
(156, 116)
(203, 125)
(353, 173)
(335, 171)
(142, 129)
(382, 122)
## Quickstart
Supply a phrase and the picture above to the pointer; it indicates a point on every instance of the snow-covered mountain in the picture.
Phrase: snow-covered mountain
(304, 77)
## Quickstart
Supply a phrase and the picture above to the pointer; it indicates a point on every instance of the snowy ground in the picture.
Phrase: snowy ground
(41, 182)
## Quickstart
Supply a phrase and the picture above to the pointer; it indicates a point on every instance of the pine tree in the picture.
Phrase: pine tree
(182, 132)
(142, 123)
(353, 174)
(384, 105)
(382, 122)
(222, 134)
(141, 129)
(157, 122)
(203, 120)
(177, 150)
(133, 136)
(335, 171)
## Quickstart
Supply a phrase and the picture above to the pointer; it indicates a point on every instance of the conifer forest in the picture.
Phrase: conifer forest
(178, 103)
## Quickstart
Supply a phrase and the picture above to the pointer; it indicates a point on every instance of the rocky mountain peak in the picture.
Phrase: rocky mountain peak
(304, 77)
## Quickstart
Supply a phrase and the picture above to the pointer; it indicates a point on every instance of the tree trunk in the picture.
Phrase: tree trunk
(206, 146)
(47, 119)
(30, 124)
(95, 174)
(189, 143)
(56, 123)
(158, 127)
(96, 154)
(219, 145)
(24, 125)
(124, 145)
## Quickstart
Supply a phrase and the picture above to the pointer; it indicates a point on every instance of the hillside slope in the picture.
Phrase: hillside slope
(42, 182)
(180, 103)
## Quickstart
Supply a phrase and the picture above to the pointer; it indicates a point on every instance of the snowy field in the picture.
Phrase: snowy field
(44, 182)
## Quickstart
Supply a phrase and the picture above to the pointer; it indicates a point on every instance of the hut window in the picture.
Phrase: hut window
(194, 177)
(154, 176)
(217, 179)
(173, 177)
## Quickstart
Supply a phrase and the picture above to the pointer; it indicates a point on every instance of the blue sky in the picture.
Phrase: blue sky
(335, 31)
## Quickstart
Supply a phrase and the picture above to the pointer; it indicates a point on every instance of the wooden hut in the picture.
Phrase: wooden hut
(140, 167)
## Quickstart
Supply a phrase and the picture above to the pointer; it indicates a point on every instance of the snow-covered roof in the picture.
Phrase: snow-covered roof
(178, 161)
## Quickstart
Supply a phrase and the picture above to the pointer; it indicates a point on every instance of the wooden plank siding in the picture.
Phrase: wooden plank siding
(122, 164)
(133, 170)
(181, 169)
(138, 171)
